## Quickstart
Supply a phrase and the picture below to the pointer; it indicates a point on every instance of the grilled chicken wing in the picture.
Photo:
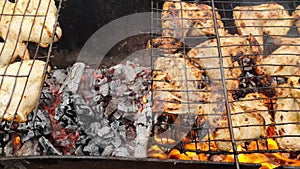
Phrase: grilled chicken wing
(287, 116)
(19, 95)
(249, 115)
(271, 19)
(181, 18)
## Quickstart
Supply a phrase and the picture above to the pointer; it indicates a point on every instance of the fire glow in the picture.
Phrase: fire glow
(267, 160)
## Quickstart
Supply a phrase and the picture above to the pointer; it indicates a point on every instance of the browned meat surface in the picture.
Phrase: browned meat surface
(271, 19)
(13, 101)
(180, 19)
(296, 15)
(247, 115)
(206, 56)
(176, 82)
(284, 61)
(287, 116)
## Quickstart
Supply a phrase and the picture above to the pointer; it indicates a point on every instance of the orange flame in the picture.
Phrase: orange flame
(268, 160)
(17, 140)
(16, 143)
(145, 99)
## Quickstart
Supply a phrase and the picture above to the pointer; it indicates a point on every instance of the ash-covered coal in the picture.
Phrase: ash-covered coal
(84, 111)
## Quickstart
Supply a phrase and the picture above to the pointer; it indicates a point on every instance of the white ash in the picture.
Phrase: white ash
(101, 105)
(59, 75)
(29, 148)
(48, 148)
(144, 126)
(73, 79)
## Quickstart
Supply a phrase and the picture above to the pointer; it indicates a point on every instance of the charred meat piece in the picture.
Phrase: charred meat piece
(271, 19)
(168, 45)
(180, 19)
(19, 94)
(250, 118)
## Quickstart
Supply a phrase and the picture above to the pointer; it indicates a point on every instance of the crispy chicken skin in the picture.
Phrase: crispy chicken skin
(271, 19)
(11, 92)
(180, 19)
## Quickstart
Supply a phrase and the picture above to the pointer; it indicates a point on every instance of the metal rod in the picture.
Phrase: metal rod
(236, 160)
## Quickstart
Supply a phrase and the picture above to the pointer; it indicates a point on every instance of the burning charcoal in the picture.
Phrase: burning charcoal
(83, 112)
(59, 75)
(143, 128)
(122, 132)
(66, 114)
(28, 136)
(92, 148)
(117, 70)
(114, 85)
(116, 141)
(8, 149)
(29, 148)
(48, 148)
(136, 87)
(129, 71)
(139, 70)
(105, 130)
(126, 107)
(104, 89)
(117, 115)
(122, 152)
(41, 124)
(47, 98)
(108, 150)
(102, 81)
(122, 90)
(79, 151)
(72, 82)
(113, 106)
(93, 129)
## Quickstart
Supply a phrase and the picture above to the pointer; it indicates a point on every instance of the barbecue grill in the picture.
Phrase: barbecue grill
(183, 128)
(66, 128)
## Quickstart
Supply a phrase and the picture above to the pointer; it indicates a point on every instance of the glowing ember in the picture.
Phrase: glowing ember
(267, 160)
(16, 143)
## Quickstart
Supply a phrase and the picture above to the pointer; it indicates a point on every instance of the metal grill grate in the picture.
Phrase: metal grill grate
(226, 76)
(28, 30)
